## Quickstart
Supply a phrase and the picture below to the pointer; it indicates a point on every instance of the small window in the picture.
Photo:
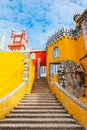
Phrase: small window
(56, 67)
(17, 39)
(56, 52)
(33, 56)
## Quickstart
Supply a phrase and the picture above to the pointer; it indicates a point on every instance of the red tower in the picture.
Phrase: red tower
(19, 41)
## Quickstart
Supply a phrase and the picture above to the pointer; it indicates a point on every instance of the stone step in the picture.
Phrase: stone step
(36, 94)
(39, 101)
(41, 84)
(40, 87)
(38, 120)
(41, 98)
(38, 111)
(39, 107)
(33, 115)
(42, 91)
(39, 94)
(47, 96)
(39, 126)
(40, 104)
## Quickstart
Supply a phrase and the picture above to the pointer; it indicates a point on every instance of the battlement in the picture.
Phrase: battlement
(64, 31)
(19, 41)
(82, 16)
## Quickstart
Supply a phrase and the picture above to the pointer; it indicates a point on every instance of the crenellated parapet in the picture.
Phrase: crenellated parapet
(82, 17)
(77, 32)
(69, 32)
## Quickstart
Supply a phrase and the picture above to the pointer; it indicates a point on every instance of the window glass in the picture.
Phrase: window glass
(56, 67)
(56, 52)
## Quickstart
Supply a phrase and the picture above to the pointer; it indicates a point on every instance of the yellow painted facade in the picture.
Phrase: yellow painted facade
(67, 51)
(82, 52)
(75, 110)
(11, 71)
(70, 47)
(31, 76)
(9, 104)
(11, 74)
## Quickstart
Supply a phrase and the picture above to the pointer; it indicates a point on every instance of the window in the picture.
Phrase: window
(56, 52)
(43, 71)
(55, 68)
(17, 39)
(33, 56)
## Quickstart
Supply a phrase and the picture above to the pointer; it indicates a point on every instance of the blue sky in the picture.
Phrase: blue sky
(40, 18)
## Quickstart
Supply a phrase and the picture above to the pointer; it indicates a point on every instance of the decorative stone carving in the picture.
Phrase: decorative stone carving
(71, 77)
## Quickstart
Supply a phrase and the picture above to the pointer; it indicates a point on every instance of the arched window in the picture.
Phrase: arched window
(56, 52)
(33, 56)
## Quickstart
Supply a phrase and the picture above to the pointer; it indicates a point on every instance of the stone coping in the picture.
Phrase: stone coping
(3, 99)
(74, 99)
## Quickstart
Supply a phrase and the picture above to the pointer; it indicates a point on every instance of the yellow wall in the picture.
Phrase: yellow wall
(11, 71)
(67, 49)
(10, 103)
(11, 74)
(31, 76)
(81, 52)
(81, 45)
(75, 110)
(70, 49)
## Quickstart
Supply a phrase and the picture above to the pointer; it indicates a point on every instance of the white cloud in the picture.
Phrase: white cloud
(40, 18)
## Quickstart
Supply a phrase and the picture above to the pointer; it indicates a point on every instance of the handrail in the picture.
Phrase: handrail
(12, 93)
(70, 96)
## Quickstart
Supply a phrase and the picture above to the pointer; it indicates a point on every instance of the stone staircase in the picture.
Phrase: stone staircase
(39, 110)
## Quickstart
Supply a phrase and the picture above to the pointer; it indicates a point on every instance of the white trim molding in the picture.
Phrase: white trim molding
(12, 93)
(78, 102)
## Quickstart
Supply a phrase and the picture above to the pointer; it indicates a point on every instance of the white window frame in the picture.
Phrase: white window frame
(56, 52)
(56, 67)
(43, 71)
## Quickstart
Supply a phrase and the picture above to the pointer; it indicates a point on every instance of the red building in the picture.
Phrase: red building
(19, 41)
(39, 60)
